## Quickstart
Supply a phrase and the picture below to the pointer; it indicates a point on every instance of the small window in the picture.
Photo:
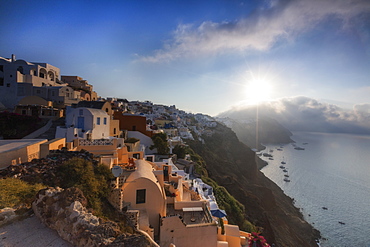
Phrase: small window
(136, 156)
(140, 196)
(52, 93)
(81, 112)
(105, 121)
(1, 67)
(1, 81)
(38, 91)
(98, 121)
(24, 112)
(8, 84)
(67, 95)
(114, 131)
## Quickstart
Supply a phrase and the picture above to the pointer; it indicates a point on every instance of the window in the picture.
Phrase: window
(24, 112)
(1, 67)
(52, 93)
(136, 156)
(114, 131)
(140, 196)
(1, 81)
(81, 112)
(67, 95)
(38, 91)
(105, 121)
(98, 121)
(8, 84)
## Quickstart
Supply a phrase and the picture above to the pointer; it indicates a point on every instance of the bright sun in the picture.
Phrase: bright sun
(257, 91)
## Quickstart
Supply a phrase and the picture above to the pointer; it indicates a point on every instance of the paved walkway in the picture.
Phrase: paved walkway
(28, 233)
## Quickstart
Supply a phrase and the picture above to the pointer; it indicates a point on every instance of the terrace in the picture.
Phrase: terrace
(190, 215)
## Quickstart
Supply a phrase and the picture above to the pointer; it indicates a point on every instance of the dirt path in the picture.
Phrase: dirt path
(28, 233)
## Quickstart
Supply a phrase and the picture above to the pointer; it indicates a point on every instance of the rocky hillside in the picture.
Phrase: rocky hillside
(234, 165)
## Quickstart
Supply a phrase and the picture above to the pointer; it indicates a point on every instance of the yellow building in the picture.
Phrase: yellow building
(13, 152)
(159, 199)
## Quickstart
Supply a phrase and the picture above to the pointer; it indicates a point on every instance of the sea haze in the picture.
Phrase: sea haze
(329, 181)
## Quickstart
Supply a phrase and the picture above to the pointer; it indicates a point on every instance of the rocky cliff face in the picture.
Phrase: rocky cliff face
(65, 211)
(233, 165)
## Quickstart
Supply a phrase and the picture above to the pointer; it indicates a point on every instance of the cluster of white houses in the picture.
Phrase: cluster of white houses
(166, 203)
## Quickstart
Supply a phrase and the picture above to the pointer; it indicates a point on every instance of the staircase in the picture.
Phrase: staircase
(50, 133)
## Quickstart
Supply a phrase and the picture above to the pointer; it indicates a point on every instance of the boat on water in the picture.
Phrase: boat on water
(282, 167)
(285, 170)
(299, 148)
(286, 179)
(266, 155)
(286, 175)
(271, 158)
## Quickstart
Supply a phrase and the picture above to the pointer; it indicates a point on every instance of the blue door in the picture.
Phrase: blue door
(80, 122)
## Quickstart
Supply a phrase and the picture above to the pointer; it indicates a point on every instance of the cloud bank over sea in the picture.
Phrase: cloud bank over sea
(306, 114)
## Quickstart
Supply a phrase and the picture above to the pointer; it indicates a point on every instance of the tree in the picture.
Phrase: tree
(180, 151)
(160, 143)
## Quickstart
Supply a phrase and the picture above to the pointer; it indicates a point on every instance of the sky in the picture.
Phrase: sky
(202, 56)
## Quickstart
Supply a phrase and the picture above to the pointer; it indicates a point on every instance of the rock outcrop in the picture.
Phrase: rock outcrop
(65, 211)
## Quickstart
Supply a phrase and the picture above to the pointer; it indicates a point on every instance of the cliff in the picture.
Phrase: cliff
(235, 166)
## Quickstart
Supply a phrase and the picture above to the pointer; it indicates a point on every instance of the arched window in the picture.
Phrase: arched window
(51, 75)
(42, 73)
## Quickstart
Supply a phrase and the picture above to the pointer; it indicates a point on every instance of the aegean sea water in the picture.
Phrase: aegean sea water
(330, 183)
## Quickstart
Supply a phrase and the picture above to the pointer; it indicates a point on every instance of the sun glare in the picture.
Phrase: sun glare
(258, 91)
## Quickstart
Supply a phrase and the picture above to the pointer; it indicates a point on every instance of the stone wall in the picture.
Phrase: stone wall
(65, 211)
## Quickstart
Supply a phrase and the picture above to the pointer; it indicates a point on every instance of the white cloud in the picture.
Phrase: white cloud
(259, 31)
(307, 114)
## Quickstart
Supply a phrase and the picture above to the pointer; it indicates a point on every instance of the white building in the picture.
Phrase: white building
(18, 77)
(86, 123)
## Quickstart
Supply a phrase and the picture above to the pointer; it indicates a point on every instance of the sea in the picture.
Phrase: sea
(329, 181)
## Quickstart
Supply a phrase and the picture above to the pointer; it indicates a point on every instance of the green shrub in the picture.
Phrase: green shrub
(92, 180)
(15, 192)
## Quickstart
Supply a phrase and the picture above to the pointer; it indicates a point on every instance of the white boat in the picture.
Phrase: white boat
(286, 179)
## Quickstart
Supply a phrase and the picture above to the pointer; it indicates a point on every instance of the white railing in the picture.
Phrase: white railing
(97, 142)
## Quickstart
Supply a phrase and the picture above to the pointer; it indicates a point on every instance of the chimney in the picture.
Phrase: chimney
(13, 58)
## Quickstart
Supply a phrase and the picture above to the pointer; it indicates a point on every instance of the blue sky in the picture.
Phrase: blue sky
(202, 56)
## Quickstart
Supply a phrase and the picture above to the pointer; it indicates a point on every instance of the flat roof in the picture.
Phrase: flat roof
(10, 145)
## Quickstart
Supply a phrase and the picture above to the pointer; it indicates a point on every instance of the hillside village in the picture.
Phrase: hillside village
(162, 193)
